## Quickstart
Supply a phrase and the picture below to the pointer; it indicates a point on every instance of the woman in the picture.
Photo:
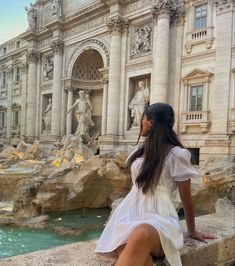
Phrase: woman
(146, 223)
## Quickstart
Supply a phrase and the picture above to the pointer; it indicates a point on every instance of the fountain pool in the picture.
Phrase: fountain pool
(15, 241)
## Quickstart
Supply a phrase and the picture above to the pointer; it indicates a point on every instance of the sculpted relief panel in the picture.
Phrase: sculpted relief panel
(141, 41)
(48, 67)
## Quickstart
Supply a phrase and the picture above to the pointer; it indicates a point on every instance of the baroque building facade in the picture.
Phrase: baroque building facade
(181, 52)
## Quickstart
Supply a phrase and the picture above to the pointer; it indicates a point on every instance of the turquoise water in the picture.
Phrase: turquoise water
(15, 241)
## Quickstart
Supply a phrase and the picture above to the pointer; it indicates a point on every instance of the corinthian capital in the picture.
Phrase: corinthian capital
(57, 46)
(33, 56)
(117, 24)
(167, 7)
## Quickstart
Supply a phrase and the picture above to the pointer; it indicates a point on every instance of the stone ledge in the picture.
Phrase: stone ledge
(219, 252)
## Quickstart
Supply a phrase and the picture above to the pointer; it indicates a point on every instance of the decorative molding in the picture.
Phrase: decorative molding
(117, 24)
(57, 46)
(33, 56)
(164, 7)
(197, 74)
(223, 5)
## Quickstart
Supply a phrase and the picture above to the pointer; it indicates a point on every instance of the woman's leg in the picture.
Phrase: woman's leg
(143, 242)
(120, 249)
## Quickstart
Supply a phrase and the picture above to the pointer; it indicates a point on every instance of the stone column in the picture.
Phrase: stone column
(70, 90)
(57, 46)
(104, 107)
(24, 71)
(123, 100)
(115, 26)
(33, 58)
(224, 33)
(9, 102)
(162, 12)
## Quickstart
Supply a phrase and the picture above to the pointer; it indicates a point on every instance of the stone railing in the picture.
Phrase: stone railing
(204, 35)
(200, 118)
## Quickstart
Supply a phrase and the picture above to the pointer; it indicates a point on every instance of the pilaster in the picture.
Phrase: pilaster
(9, 101)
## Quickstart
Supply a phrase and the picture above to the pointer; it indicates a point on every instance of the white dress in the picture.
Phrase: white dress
(155, 208)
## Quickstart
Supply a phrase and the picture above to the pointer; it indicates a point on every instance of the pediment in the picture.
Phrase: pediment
(198, 73)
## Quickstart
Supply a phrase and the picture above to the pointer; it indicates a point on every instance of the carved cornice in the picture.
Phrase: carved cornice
(117, 24)
(33, 56)
(57, 46)
(164, 7)
(223, 5)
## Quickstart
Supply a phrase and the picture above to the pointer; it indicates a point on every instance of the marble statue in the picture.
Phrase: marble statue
(47, 116)
(48, 67)
(31, 16)
(82, 113)
(138, 103)
(56, 8)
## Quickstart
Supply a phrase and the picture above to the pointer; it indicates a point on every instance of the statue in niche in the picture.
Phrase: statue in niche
(142, 42)
(82, 113)
(48, 67)
(47, 116)
(31, 16)
(56, 8)
(138, 103)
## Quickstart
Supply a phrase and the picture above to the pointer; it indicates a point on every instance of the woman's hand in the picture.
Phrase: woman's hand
(201, 236)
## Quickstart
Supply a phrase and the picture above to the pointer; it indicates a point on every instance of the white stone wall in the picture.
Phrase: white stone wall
(174, 58)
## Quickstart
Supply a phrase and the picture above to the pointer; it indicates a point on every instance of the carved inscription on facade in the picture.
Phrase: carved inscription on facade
(85, 27)
(138, 5)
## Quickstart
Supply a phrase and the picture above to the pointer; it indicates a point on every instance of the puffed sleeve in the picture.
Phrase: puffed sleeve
(181, 168)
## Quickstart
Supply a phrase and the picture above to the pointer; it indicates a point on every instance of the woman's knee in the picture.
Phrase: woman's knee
(143, 235)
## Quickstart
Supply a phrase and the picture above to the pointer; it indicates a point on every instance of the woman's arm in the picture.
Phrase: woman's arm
(186, 199)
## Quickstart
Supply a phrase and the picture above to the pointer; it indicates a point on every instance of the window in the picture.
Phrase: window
(18, 44)
(196, 98)
(195, 155)
(4, 50)
(200, 20)
(2, 119)
(16, 118)
(17, 76)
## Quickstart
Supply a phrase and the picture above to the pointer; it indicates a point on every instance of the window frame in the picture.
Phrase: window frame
(197, 97)
(201, 17)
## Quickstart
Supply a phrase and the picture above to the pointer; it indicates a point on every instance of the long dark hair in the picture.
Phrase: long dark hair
(154, 148)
